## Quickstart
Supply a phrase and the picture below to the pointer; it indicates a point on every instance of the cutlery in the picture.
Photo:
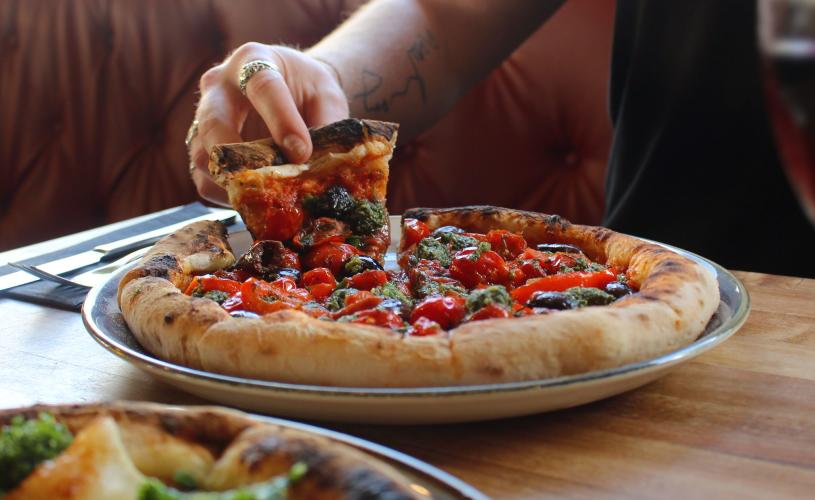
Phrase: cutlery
(103, 253)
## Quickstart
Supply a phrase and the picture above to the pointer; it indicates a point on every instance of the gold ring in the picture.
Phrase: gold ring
(252, 68)
(191, 133)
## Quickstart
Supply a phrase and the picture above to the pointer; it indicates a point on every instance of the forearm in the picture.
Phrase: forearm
(409, 61)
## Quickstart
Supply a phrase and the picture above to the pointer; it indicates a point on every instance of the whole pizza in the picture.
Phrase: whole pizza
(477, 294)
(145, 451)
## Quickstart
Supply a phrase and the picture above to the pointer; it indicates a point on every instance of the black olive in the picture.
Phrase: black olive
(618, 289)
(262, 259)
(284, 272)
(360, 263)
(551, 300)
(558, 247)
(334, 202)
(243, 314)
(446, 229)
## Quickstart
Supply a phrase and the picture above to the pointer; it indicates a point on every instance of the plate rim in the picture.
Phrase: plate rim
(150, 363)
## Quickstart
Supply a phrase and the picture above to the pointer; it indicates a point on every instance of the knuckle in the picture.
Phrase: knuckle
(206, 124)
(248, 50)
(211, 77)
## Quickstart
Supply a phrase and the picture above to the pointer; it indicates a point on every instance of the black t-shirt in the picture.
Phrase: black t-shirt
(693, 161)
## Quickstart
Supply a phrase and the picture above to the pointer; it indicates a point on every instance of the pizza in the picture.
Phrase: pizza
(149, 451)
(477, 294)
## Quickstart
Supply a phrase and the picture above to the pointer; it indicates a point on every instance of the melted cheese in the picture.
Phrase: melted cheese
(95, 466)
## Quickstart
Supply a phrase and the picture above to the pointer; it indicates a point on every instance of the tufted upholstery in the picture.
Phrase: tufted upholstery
(96, 96)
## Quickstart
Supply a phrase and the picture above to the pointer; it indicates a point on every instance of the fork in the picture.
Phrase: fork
(45, 275)
(84, 280)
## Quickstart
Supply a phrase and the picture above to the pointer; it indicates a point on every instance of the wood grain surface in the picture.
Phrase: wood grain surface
(737, 422)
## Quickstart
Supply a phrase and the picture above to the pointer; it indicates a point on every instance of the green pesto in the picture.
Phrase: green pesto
(185, 480)
(356, 241)
(336, 300)
(355, 265)
(391, 291)
(482, 247)
(457, 241)
(26, 443)
(494, 294)
(367, 217)
(589, 296)
(582, 264)
(429, 288)
(216, 295)
(432, 249)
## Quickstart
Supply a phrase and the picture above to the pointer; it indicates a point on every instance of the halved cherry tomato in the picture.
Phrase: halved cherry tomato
(561, 282)
(508, 245)
(318, 275)
(332, 255)
(446, 311)
(379, 317)
(414, 231)
(472, 269)
(208, 283)
(261, 297)
(366, 280)
(358, 302)
(488, 312)
(424, 326)
(321, 290)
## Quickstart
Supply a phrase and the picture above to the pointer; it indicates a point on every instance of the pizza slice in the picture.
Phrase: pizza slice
(148, 451)
(336, 197)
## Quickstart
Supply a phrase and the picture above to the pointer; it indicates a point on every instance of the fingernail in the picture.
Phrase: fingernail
(295, 146)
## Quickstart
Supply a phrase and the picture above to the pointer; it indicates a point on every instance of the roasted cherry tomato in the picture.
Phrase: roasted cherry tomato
(473, 267)
(321, 230)
(446, 311)
(424, 326)
(508, 245)
(358, 302)
(208, 283)
(414, 231)
(378, 317)
(318, 275)
(488, 312)
(366, 280)
(561, 282)
(275, 223)
(332, 255)
(321, 290)
(263, 297)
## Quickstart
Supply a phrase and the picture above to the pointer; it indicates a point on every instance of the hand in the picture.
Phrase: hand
(305, 93)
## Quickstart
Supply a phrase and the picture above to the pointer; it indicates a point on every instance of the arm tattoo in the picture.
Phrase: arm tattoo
(375, 99)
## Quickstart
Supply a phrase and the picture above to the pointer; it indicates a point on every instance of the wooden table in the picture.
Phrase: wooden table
(738, 422)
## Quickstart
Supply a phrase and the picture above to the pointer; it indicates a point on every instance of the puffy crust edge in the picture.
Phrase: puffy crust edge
(676, 300)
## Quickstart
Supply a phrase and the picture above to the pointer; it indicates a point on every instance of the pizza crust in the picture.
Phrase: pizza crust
(222, 448)
(676, 300)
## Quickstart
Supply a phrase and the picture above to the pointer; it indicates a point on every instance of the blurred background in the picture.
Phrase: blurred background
(96, 97)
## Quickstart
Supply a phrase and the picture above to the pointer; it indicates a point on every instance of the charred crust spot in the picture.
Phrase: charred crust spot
(491, 370)
(643, 317)
(364, 483)
(160, 266)
(169, 318)
(350, 132)
(170, 423)
(247, 156)
(254, 455)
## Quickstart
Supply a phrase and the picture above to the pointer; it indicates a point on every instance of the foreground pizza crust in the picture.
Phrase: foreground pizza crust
(116, 446)
(676, 299)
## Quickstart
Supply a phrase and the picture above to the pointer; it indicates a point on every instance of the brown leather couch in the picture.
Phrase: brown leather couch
(96, 96)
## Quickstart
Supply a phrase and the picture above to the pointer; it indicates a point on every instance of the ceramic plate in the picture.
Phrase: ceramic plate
(426, 480)
(408, 405)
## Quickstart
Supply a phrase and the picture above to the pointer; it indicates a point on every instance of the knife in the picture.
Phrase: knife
(109, 251)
